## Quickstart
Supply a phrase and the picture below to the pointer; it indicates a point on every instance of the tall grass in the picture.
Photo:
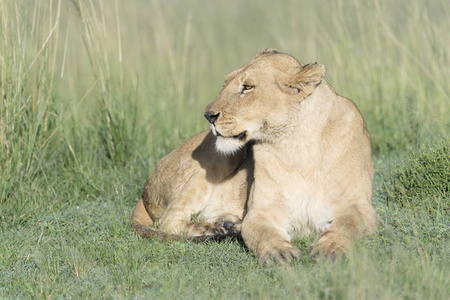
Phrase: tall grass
(94, 93)
(121, 80)
(30, 112)
(168, 59)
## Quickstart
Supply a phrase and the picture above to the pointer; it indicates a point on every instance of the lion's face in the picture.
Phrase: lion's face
(258, 101)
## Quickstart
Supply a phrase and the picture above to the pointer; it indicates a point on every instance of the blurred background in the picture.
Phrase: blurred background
(94, 82)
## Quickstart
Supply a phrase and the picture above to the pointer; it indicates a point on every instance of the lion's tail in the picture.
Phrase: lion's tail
(141, 222)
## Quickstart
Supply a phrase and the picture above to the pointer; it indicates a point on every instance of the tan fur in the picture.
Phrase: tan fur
(313, 168)
(288, 157)
(194, 192)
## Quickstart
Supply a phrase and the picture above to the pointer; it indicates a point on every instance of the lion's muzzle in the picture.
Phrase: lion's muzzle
(211, 116)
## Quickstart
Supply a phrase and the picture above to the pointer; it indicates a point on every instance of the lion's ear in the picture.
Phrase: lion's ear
(305, 80)
(266, 51)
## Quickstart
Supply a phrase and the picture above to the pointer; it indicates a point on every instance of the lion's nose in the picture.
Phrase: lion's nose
(211, 117)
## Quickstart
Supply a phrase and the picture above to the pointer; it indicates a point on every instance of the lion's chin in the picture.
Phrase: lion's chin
(228, 145)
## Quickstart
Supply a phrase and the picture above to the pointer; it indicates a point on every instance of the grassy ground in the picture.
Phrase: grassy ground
(94, 93)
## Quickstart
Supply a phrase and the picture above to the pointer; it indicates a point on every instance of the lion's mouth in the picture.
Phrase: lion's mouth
(241, 136)
(229, 144)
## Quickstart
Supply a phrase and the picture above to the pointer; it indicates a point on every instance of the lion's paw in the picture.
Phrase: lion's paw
(280, 253)
(329, 244)
(205, 229)
(232, 226)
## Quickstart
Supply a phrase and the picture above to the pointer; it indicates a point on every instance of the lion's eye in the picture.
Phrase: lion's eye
(246, 87)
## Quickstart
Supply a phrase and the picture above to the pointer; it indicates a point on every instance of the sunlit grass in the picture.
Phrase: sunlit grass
(94, 93)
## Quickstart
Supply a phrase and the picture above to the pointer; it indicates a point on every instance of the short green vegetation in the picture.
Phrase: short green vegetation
(424, 175)
(94, 93)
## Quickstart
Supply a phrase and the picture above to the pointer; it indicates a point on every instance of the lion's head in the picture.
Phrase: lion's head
(259, 100)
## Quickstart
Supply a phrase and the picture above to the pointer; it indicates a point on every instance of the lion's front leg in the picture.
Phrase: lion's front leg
(344, 231)
(268, 239)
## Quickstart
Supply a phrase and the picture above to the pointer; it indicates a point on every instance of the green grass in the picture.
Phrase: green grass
(425, 174)
(94, 93)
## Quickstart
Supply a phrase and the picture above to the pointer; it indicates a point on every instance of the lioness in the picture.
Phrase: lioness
(286, 156)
